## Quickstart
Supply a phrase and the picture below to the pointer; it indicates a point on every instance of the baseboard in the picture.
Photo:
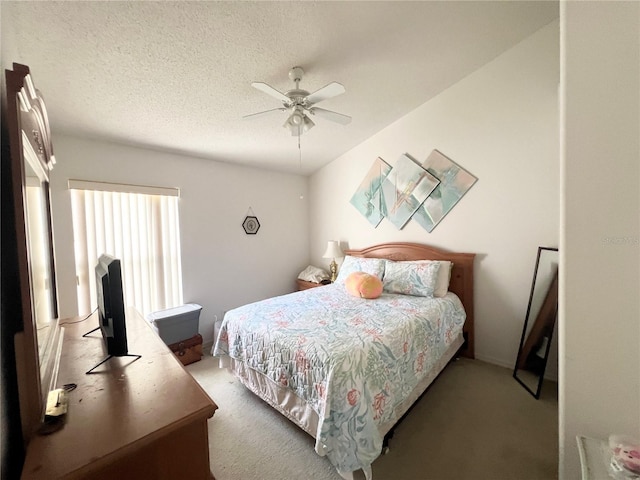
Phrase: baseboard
(495, 361)
(206, 348)
(501, 363)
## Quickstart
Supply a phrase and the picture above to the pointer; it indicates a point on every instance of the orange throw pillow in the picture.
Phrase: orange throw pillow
(363, 285)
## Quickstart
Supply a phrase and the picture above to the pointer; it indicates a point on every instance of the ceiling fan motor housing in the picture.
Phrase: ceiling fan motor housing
(297, 97)
(295, 74)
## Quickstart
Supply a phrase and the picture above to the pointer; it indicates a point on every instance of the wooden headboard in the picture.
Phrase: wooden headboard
(461, 274)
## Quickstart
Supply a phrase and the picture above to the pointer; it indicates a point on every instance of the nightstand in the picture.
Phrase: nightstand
(304, 285)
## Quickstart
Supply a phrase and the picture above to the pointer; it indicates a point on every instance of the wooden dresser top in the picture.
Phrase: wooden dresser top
(126, 406)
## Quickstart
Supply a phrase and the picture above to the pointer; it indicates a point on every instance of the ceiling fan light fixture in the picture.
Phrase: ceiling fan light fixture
(298, 123)
(308, 124)
(295, 130)
(297, 118)
(300, 104)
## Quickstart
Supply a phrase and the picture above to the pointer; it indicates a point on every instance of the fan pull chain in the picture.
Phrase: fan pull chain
(299, 153)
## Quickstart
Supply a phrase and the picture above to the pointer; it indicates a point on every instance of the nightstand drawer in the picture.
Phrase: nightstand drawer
(304, 285)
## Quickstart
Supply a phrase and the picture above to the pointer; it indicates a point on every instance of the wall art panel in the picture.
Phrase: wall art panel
(367, 198)
(454, 183)
(404, 189)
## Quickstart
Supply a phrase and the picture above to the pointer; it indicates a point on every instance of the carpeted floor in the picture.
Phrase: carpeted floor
(475, 422)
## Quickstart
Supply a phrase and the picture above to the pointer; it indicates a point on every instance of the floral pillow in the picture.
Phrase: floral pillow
(373, 266)
(444, 275)
(411, 278)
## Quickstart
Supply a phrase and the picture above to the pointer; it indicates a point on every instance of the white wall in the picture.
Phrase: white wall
(600, 240)
(501, 124)
(222, 267)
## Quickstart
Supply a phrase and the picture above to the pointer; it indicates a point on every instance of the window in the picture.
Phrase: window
(140, 226)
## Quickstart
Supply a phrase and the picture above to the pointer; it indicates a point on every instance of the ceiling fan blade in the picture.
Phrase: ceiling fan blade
(329, 115)
(266, 112)
(269, 90)
(328, 91)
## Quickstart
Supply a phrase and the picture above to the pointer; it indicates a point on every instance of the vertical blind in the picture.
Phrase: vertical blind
(139, 226)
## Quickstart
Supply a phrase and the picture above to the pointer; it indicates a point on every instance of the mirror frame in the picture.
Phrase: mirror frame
(30, 141)
(541, 322)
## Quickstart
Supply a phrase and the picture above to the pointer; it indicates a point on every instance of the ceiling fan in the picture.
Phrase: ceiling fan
(301, 104)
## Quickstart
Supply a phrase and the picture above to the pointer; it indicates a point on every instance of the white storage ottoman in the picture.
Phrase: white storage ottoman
(177, 323)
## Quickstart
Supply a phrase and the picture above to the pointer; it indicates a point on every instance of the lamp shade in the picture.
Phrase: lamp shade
(308, 124)
(298, 123)
(333, 250)
(296, 118)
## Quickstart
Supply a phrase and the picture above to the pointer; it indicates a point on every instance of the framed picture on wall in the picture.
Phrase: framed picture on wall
(404, 189)
(455, 181)
(367, 198)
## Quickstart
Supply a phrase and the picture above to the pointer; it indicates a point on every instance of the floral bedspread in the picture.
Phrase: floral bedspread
(352, 360)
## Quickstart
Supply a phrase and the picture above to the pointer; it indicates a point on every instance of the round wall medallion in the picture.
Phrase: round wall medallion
(251, 225)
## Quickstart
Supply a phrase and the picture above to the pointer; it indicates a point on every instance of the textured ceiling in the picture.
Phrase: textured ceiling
(176, 76)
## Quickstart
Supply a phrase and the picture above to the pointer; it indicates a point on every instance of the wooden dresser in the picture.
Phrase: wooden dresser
(136, 419)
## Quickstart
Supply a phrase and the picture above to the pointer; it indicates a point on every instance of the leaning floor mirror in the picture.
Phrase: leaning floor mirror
(539, 323)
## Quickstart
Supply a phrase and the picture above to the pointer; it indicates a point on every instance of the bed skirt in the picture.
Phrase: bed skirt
(298, 411)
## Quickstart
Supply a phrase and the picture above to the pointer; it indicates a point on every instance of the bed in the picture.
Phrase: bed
(347, 369)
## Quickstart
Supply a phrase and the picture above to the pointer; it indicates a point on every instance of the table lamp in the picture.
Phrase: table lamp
(333, 251)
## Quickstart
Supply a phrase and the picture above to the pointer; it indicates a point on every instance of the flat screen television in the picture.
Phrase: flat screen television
(111, 305)
(111, 311)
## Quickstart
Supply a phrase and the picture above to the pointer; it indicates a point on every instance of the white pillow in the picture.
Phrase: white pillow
(444, 277)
